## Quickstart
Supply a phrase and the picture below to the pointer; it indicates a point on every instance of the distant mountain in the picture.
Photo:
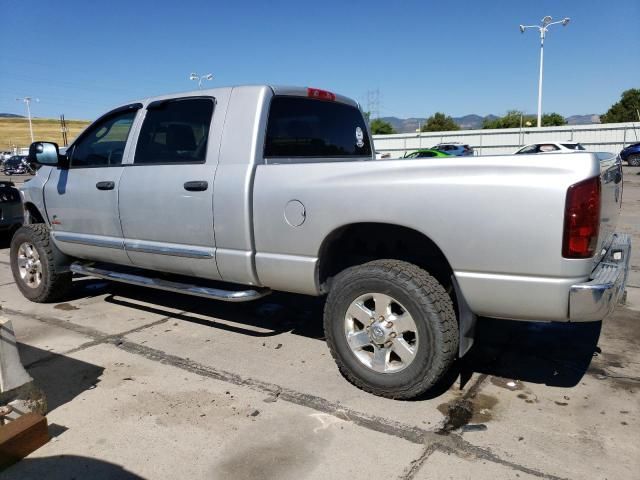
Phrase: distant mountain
(473, 122)
(10, 115)
(407, 125)
(583, 119)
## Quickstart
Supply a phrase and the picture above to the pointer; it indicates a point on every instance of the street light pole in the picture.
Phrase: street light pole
(542, 32)
(200, 78)
(27, 101)
(543, 28)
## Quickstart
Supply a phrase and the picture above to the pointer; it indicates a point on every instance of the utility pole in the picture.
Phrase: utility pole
(27, 101)
(373, 103)
(543, 28)
(63, 129)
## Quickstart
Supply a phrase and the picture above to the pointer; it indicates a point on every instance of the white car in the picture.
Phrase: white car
(551, 147)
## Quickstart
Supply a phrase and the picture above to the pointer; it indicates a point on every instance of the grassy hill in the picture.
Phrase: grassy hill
(15, 131)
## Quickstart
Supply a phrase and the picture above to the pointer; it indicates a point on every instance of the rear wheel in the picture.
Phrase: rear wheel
(391, 328)
(634, 160)
(32, 265)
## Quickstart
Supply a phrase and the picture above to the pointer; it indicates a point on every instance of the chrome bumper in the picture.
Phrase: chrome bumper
(597, 298)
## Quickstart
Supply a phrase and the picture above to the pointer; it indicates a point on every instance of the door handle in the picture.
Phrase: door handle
(196, 186)
(105, 185)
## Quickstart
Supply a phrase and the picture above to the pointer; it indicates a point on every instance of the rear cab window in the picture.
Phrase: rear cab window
(306, 128)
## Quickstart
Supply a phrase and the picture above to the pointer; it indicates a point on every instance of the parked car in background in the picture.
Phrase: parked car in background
(551, 147)
(426, 153)
(380, 155)
(454, 148)
(10, 206)
(631, 154)
(18, 165)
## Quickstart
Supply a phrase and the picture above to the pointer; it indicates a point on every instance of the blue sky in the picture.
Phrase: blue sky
(82, 57)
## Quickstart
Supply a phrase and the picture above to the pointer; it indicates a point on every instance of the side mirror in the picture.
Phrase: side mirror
(46, 153)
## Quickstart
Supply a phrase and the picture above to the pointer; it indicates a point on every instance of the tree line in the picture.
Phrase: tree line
(625, 110)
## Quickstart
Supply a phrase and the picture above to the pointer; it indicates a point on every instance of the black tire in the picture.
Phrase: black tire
(634, 160)
(431, 308)
(53, 285)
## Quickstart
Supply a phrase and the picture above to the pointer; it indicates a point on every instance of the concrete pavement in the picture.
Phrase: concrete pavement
(149, 384)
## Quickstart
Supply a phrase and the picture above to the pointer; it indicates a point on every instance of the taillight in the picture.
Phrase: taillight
(582, 219)
(321, 94)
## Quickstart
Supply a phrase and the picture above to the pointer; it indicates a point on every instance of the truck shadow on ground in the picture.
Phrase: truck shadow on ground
(554, 354)
(68, 467)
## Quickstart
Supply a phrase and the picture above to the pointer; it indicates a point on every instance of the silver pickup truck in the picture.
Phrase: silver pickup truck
(232, 193)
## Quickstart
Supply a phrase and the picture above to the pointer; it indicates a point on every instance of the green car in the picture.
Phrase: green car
(425, 153)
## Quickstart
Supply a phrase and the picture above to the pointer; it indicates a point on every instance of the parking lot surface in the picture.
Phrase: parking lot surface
(149, 384)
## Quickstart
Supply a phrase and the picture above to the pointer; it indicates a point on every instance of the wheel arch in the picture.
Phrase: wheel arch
(358, 243)
(34, 213)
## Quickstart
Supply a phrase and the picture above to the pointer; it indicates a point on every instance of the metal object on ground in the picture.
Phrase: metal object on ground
(12, 373)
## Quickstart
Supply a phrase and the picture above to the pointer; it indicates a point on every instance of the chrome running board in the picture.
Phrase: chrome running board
(161, 284)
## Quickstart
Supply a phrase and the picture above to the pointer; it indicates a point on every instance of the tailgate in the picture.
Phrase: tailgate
(611, 178)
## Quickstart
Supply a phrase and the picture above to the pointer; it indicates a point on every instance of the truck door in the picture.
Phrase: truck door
(82, 200)
(166, 193)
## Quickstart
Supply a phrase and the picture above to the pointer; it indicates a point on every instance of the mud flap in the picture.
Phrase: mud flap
(467, 321)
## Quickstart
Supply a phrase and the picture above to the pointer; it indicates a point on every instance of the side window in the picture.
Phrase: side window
(103, 144)
(548, 147)
(175, 131)
(305, 127)
(529, 149)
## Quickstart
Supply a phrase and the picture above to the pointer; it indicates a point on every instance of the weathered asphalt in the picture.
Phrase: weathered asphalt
(149, 384)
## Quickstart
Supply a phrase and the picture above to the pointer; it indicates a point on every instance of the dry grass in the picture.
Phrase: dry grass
(15, 131)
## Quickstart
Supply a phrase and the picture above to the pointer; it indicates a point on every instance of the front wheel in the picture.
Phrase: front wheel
(33, 265)
(634, 160)
(391, 328)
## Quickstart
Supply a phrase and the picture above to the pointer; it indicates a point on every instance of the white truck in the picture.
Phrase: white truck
(231, 193)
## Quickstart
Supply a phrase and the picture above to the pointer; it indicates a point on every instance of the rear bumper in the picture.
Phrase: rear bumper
(597, 298)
